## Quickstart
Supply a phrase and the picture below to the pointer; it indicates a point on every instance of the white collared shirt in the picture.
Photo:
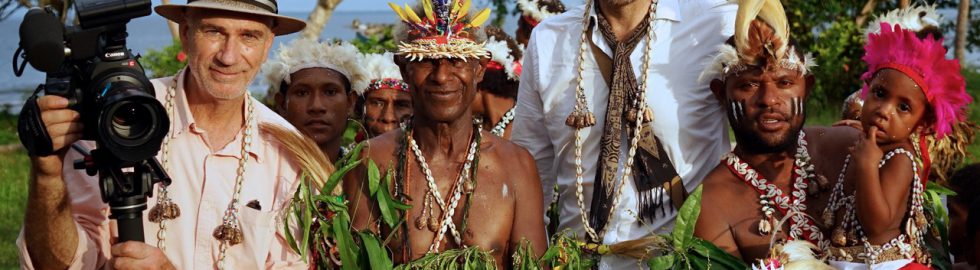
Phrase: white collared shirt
(687, 118)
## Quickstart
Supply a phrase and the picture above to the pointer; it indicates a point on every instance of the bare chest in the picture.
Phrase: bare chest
(482, 211)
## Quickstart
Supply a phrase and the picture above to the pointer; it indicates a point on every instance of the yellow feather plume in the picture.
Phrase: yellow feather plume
(773, 14)
(769, 11)
(747, 11)
(465, 9)
(427, 8)
(304, 153)
(398, 10)
(411, 14)
(480, 18)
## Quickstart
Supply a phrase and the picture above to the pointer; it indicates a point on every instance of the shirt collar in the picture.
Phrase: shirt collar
(183, 120)
(666, 10)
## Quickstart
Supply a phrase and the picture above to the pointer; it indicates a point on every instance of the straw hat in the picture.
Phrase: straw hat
(281, 25)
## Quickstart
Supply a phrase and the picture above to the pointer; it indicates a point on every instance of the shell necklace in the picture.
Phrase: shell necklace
(229, 233)
(772, 198)
(445, 223)
(504, 122)
(581, 118)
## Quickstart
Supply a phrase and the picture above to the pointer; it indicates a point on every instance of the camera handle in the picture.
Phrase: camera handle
(125, 190)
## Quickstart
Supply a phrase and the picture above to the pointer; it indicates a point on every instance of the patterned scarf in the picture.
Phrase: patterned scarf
(652, 168)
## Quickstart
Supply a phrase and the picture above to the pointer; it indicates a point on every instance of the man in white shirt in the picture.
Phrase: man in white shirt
(683, 131)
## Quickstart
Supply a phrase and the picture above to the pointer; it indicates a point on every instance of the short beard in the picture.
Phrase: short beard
(752, 143)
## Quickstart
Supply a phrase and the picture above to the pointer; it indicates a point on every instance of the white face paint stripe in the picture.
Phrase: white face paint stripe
(733, 111)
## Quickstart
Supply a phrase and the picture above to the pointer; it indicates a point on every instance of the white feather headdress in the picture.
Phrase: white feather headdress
(500, 53)
(913, 18)
(380, 69)
(304, 53)
(740, 57)
(534, 10)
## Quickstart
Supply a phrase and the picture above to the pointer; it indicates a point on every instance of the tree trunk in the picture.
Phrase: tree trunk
(318, 18)
(865, 13)
(903, 3)
(172, 25)
(962, 24)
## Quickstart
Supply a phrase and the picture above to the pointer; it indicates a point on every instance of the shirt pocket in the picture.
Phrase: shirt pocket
(257, 227)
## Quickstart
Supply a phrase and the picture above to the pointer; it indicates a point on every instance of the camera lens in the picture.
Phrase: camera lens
(129, 121)
(132, 124)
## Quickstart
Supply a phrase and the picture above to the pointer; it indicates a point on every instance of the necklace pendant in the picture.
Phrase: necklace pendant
(839, 237)
(852, 237)
(420, 223)
(828, 218)
(920, 220)
(164, 211)
(229, 234)
(911, 228)
(580, 120)
(765, 227)
(433, 224)
(469, 186)
(647, 114)
(156, 214)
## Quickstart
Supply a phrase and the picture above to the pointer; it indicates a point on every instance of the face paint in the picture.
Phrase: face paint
(738, 110)
(796, 106)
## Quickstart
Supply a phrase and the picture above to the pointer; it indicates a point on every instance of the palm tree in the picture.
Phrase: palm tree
(962, 24)
(318, 18)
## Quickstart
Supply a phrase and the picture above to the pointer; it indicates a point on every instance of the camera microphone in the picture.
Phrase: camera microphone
(42, 38)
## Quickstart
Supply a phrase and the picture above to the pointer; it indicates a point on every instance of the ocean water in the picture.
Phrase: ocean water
(151, 32)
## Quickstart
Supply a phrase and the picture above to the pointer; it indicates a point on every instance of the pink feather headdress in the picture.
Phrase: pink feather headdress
(923, 60)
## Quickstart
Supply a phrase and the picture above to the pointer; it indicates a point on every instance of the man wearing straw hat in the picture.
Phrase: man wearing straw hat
(229, 180)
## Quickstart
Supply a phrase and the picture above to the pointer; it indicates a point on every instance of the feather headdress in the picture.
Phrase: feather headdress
(535, 11)
(755, 46)
(502, 55)
(304, 53)
(381, 72)
(913, 18)
(924, 61)
(442, 30)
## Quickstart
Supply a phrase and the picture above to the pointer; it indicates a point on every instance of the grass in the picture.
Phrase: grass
(973, 87)
(14, 169)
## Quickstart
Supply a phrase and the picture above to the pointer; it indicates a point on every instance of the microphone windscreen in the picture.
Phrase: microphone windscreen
(42, 37)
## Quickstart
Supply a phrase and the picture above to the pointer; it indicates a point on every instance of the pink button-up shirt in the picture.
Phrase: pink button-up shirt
(203, 185)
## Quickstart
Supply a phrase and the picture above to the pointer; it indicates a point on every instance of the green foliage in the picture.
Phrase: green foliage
(326, 236)
(13, 202)
(500, 11)
(376, 42)
(839, 48)
(682, 250)
(164, 62)
(836, 44)
(567, 253)
(689, 252)
(523, 258)
(940, 224)
(470, 258)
